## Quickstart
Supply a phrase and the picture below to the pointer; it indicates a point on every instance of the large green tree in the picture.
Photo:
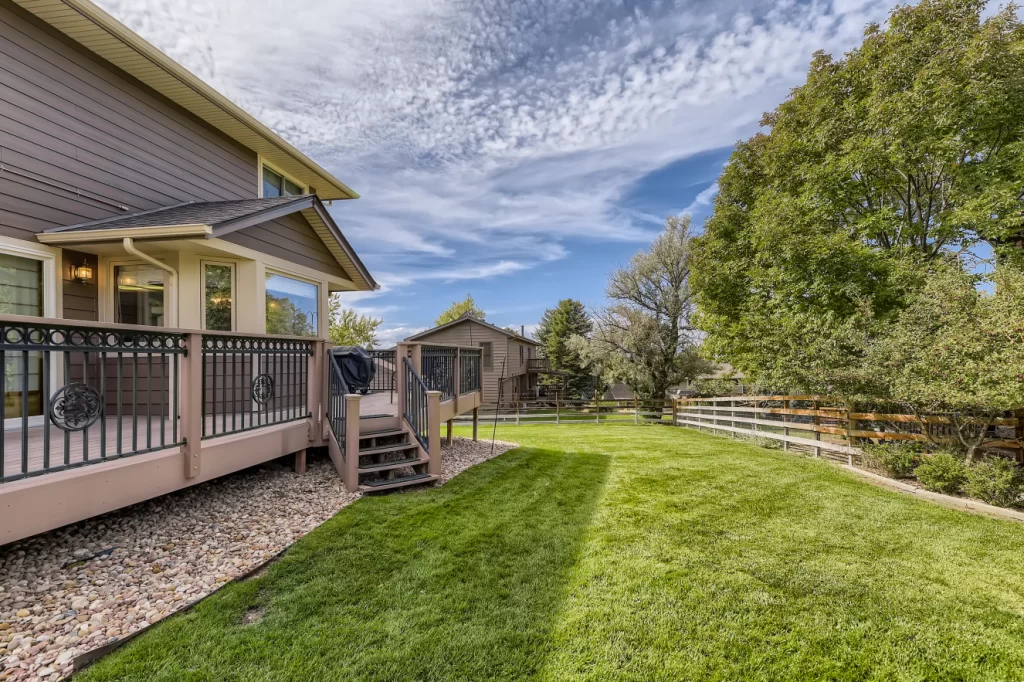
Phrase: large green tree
(644, 337)
(457, 309)
(907, 149)
(349, 328)
(557, 327)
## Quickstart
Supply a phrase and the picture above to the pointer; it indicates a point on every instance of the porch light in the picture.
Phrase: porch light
(82, 273)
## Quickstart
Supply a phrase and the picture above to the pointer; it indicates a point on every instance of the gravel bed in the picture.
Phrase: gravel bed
(77, 588)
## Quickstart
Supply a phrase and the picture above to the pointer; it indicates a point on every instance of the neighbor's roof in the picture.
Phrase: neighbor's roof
(104, 36)
(212, 220)
(466, 317)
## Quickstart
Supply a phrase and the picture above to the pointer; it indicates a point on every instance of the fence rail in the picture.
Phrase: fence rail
(75, 395)
(252, 382)
(385, 371)
(827, 427)
(561, 411)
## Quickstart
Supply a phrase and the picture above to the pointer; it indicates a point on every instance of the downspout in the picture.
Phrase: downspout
(172, 289)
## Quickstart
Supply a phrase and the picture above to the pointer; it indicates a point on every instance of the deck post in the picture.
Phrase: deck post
(448, 431)
(324, 369)
(299, 465)
(351, 442)
(314, 392)
(476, 421)
(190, 404)
(434, 432)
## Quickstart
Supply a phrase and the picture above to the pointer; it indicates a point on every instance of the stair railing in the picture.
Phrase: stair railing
(416, 403)
(336, 402)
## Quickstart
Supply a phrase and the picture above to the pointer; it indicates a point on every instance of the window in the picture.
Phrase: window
(21, 293)
(487, 351)
(276, 185)
(522, 351)
(218, 295)
(292, 306)
(139, 295)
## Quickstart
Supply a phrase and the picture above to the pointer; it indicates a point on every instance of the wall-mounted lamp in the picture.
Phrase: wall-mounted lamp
(82, 273)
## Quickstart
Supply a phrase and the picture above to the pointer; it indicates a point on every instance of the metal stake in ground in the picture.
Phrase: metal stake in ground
(501, 383)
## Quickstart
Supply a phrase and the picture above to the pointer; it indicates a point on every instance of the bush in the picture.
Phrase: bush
(942, 473)
(897, 460)
(764, 442)
(997, 481)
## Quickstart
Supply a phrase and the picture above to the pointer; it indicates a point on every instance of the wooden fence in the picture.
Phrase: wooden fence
(562, 411)
(825, 426)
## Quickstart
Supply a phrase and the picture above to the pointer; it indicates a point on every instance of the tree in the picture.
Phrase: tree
(644, 337)
(958, 349)
(284, 317)
(909, 148)
(457, 309)
(557, 327)
(348, 328)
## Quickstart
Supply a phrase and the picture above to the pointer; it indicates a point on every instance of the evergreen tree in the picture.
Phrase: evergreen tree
(557, 326)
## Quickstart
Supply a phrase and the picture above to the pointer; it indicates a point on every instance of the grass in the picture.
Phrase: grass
(618, 553)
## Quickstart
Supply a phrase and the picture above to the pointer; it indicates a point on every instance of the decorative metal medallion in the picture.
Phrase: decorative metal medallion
(75, 407)
(262, 388)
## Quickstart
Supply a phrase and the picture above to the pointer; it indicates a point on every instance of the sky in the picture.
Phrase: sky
(515, 150)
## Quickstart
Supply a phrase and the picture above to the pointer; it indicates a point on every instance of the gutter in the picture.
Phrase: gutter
(172, 293)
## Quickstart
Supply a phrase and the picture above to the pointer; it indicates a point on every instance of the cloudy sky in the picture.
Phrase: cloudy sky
(518, 150)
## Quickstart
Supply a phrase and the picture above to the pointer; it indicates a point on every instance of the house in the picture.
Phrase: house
(511, 361)
(165, 267)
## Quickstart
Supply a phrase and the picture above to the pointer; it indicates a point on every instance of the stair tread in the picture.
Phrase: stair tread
(384, 449)
(416, 479)
(385, 466)
(382, 434)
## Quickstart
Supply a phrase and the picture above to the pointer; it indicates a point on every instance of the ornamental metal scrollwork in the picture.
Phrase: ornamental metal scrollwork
(75, 407)
(262, 389)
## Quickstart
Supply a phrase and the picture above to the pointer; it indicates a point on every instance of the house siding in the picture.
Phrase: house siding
(80, 300)
(291, 238)
(70, 119)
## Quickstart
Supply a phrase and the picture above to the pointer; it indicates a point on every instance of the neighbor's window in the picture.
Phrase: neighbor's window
(276, 185)
(139, 294)
(218, 290)
(21, 293)
(487, 351)
(292, 306)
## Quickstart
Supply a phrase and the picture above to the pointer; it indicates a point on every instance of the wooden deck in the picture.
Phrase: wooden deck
(379, 404)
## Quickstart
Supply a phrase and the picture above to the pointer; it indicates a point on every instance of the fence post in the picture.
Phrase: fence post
(817, 423)
(597, 409)
(636, 410)
(1019, 433)
(190, 404)
(785, 420)
(351, 442)
(675, 411)
(850, 428)
(434, 432)
(517, 409)
(558, 411)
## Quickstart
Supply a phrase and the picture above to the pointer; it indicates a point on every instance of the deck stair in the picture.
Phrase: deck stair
(390, 459)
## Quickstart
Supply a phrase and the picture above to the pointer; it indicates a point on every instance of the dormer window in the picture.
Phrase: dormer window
(276, 184)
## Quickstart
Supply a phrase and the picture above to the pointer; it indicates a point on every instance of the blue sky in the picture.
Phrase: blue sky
(517, 150)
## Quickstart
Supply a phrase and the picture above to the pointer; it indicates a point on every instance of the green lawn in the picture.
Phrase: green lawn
(619, 553)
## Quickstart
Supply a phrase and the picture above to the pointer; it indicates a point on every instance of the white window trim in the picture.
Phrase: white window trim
(321, 330)
(203, 262)
(108, 290)
(52, 284)
(261, 162)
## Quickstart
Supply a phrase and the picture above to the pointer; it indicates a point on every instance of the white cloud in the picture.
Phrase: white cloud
(491, 136)
(702, 200)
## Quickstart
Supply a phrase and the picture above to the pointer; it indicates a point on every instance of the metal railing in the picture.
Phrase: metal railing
(538, 365)
(336, 405)
(438, 363)
(251, 382)
(385, 371)
(416, 403)
(75, 395)
(469, 370)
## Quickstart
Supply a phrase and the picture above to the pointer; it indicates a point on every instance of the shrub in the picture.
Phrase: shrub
(897, 460)
(764, 442)
(997, 481)
(942, 473)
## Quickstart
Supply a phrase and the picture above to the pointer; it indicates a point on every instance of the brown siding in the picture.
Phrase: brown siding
(291, 238)
(80, 300)
(70, 119)
(471, 334)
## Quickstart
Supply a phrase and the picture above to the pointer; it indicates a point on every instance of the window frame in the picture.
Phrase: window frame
(203, 262)
(108, 288)
(486, 355)
(263, 163)
(52, 282)
(299, 278)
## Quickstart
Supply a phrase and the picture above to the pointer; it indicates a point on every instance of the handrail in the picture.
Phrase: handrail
(416, 404)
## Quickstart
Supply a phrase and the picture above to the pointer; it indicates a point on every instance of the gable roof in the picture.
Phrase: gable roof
(101, 34)
(466, 317)
(212, 220)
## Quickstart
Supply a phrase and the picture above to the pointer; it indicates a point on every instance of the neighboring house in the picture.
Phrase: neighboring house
(506, 355)
(165, 267)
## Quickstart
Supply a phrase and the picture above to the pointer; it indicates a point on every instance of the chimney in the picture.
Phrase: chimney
(522, 330)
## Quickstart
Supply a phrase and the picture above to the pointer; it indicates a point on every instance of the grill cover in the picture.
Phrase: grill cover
(357, 367)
